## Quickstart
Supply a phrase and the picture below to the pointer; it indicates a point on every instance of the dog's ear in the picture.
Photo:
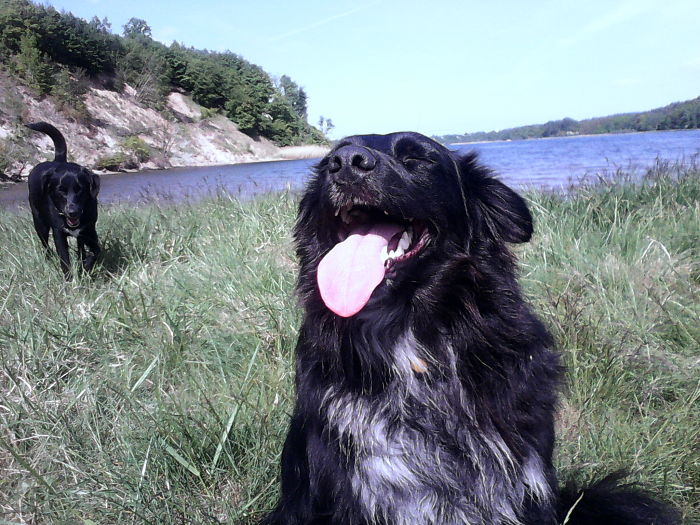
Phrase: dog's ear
(46, 177)
(505, 213)
(94, 183)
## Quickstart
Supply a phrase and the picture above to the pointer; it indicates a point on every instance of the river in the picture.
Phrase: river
(552, 163)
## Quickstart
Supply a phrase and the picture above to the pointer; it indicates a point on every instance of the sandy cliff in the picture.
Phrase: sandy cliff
(180, 135)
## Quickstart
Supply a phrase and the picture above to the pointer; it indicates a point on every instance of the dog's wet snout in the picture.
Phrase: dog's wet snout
(351, 162)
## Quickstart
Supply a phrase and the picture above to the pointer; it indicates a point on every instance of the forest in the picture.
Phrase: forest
(60, 54)
(679, 115)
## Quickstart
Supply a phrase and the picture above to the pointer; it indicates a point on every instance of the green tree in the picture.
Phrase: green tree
(285, 125)
(137, 28)
(102, 26)
(207, 83)
(249, 99)
(31, 64)
(295, 95)
(178, 62)
(145, 69)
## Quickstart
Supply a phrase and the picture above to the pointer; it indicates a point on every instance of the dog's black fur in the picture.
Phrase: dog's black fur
(63, 199)
(434, 404)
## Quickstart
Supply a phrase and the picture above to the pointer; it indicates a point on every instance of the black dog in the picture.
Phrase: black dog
(426, 386)
(63, 198)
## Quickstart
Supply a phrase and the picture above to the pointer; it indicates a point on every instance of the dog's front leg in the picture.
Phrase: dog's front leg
(294, 506)
(42, 230)
(61, 241)
(89, 256)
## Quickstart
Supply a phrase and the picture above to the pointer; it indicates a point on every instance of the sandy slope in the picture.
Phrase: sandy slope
(178, 136)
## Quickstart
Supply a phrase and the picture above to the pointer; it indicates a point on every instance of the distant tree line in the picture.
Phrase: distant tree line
(57, 53)
(680, 115)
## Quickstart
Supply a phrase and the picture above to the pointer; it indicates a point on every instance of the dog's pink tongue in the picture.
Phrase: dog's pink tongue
(351, 271)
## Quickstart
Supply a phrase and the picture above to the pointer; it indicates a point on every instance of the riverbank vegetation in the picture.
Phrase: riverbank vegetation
(158, 390)
(60, 54)
(680, 115)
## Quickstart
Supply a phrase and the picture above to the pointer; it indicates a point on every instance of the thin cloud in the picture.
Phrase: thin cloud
(692, 64)
(320, 23)
(613, 17)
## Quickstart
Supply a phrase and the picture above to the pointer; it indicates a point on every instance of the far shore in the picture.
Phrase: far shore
(631, 132)
(307, 151)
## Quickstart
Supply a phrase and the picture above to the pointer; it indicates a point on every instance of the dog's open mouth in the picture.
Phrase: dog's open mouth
(371, 244)
(72, 222)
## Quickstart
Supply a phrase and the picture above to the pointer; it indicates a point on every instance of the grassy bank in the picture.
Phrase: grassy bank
(158, 390)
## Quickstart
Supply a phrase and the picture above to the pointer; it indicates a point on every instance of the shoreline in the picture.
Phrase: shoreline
(285, 153)
(573, 135)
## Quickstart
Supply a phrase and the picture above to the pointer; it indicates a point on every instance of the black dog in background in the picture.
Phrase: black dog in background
(63, 199)
(426, 386)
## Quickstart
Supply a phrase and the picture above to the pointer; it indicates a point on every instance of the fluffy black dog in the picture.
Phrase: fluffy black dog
(426, 386)
(63, 199)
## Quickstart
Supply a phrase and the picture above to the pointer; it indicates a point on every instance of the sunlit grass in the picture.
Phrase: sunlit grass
(158, 389)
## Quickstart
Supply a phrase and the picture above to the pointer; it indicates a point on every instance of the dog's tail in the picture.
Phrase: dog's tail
(59, 143)
(611, 502)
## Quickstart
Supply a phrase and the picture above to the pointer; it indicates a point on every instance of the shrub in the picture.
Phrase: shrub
(136, 148)
(133, 152)
(116, 162)
(68, 89)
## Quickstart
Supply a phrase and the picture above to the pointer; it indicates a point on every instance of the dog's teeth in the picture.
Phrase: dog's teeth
(405, 241)
(399, 251)
(337, 212)
(384, 255)
(386, 212)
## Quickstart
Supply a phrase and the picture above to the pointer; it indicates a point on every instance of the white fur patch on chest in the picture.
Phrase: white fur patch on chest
(390, 461)
(384, 470)
(406, 475)
(73, 232)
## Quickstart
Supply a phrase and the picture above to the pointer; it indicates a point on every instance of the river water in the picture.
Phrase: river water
(552, 163)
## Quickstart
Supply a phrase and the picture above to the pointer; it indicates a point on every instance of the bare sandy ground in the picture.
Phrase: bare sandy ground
(310, 151)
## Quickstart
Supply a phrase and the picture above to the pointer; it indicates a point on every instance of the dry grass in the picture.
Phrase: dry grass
(311, 151)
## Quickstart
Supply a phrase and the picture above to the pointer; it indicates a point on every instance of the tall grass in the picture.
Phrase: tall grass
(158, 389)
(615, 272)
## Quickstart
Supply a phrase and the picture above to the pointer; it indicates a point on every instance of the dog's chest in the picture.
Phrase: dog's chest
(394, 466)
(384, 459)
(73, 232)
(414, 457)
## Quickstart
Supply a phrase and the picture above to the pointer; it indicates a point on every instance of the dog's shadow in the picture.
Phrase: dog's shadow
(114, 258)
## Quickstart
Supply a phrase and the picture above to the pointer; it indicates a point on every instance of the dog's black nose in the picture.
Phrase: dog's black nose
(352, 161)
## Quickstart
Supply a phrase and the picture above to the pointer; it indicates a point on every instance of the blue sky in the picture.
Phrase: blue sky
(376, 66)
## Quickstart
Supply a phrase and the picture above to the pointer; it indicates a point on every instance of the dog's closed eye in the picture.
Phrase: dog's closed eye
(412, 161)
